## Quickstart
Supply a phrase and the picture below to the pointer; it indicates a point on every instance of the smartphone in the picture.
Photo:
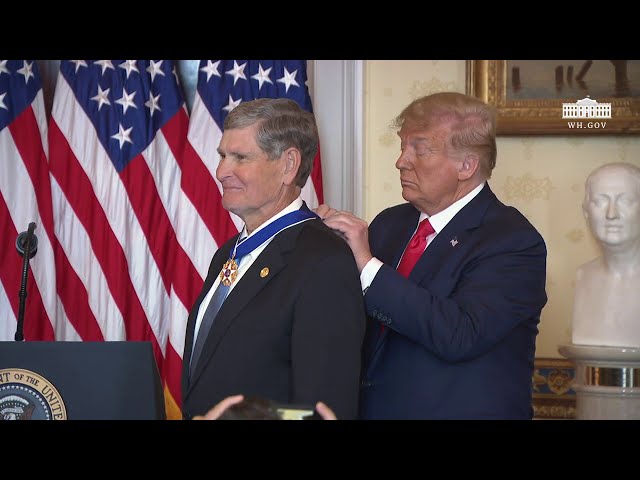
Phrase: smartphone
(297, 412)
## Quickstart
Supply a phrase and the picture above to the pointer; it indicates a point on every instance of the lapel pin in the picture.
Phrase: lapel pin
(454, 242)
(264, 272)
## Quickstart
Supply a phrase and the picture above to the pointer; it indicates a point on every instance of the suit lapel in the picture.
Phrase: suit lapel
(214, 269)
(399, 237)
(453, 238)
(247, 288)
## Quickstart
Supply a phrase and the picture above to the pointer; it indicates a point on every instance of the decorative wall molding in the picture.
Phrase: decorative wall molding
(337, 94)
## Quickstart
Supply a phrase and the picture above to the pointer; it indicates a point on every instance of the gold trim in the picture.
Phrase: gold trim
(552, 396)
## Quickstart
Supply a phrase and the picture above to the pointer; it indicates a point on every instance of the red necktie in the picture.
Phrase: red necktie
(412, 253)
(416, 247)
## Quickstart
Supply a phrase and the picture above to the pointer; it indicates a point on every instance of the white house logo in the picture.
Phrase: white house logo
(586, 108)
(25, 395)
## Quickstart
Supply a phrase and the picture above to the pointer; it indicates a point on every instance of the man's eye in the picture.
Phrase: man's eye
(626, 201)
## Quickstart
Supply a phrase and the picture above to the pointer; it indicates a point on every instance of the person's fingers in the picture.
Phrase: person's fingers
(343, 221)
(325, 412)
(219, 409)
(322, 210)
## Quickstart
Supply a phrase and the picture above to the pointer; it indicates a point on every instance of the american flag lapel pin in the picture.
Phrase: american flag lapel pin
(454, 242)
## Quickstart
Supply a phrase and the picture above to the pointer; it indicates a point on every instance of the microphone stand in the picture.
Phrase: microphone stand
(27, 246)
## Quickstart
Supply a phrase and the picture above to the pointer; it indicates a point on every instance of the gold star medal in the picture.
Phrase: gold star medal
(229, 272)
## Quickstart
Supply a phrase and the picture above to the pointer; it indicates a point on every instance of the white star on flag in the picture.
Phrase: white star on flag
(26, 70)
(288, 79)
(237, 72)
(3, 67)
(154, 69)
(129, 66)
(232, 104)
(123, 135)
(102, 97)
(105, 64)
(127, 100)
(153, 103)
(211, 69)
(262, 76)
(79, 63)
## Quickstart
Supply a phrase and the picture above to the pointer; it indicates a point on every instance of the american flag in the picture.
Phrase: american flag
(25, 196)
(116, 137)
(130, 214)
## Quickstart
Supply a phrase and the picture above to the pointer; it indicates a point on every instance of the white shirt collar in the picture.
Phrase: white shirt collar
(295, 205)
(440, 219)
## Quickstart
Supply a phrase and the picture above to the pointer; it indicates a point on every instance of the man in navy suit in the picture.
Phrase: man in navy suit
(291, 326)
(453, 304)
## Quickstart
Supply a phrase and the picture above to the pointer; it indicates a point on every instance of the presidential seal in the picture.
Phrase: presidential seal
(25, 395)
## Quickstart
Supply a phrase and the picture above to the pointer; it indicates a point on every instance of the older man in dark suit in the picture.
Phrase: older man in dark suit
(281, 314)
(454, 280)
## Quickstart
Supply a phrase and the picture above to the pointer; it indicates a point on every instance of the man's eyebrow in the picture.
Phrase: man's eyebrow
(417, 138)
(233, 153)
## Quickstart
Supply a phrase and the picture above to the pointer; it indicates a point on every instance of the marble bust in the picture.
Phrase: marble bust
(606, 308)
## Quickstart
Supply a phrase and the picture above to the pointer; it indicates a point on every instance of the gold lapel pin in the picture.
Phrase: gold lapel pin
(264, 272)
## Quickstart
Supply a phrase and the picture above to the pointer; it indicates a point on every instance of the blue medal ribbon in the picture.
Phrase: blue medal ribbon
(229, 270)
(249, 244)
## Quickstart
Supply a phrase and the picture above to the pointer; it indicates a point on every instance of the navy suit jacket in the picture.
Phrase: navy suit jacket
(460, 333)
(293, 336)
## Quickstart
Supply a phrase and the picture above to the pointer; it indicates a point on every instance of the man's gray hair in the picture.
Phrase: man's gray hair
(282, 124)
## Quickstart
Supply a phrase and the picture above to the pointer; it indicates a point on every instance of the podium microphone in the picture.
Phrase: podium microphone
(29, 238)
(27, 247)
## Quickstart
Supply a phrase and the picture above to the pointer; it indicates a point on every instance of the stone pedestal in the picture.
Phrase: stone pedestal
(607, 382)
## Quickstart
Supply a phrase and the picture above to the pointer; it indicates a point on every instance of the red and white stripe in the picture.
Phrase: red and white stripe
(115, 230)
(131, 249)
(201, 226)
(25, 197)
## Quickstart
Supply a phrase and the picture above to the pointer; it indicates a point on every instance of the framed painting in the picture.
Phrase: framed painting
(560, 97)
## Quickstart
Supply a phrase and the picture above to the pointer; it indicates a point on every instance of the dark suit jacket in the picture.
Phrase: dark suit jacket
(294, 336)
(461, 330)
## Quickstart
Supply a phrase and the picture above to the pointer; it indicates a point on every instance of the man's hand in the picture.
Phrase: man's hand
(324, 211)
(220, 408)
(325, 412)
(353, 229)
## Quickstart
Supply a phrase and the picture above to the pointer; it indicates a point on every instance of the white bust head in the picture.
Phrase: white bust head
(606, 309)
(612, 206)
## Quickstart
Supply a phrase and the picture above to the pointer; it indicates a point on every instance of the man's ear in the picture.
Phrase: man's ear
(292, 160)
(468, 166)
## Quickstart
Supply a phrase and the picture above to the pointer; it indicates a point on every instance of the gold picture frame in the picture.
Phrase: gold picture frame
(498, 82)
